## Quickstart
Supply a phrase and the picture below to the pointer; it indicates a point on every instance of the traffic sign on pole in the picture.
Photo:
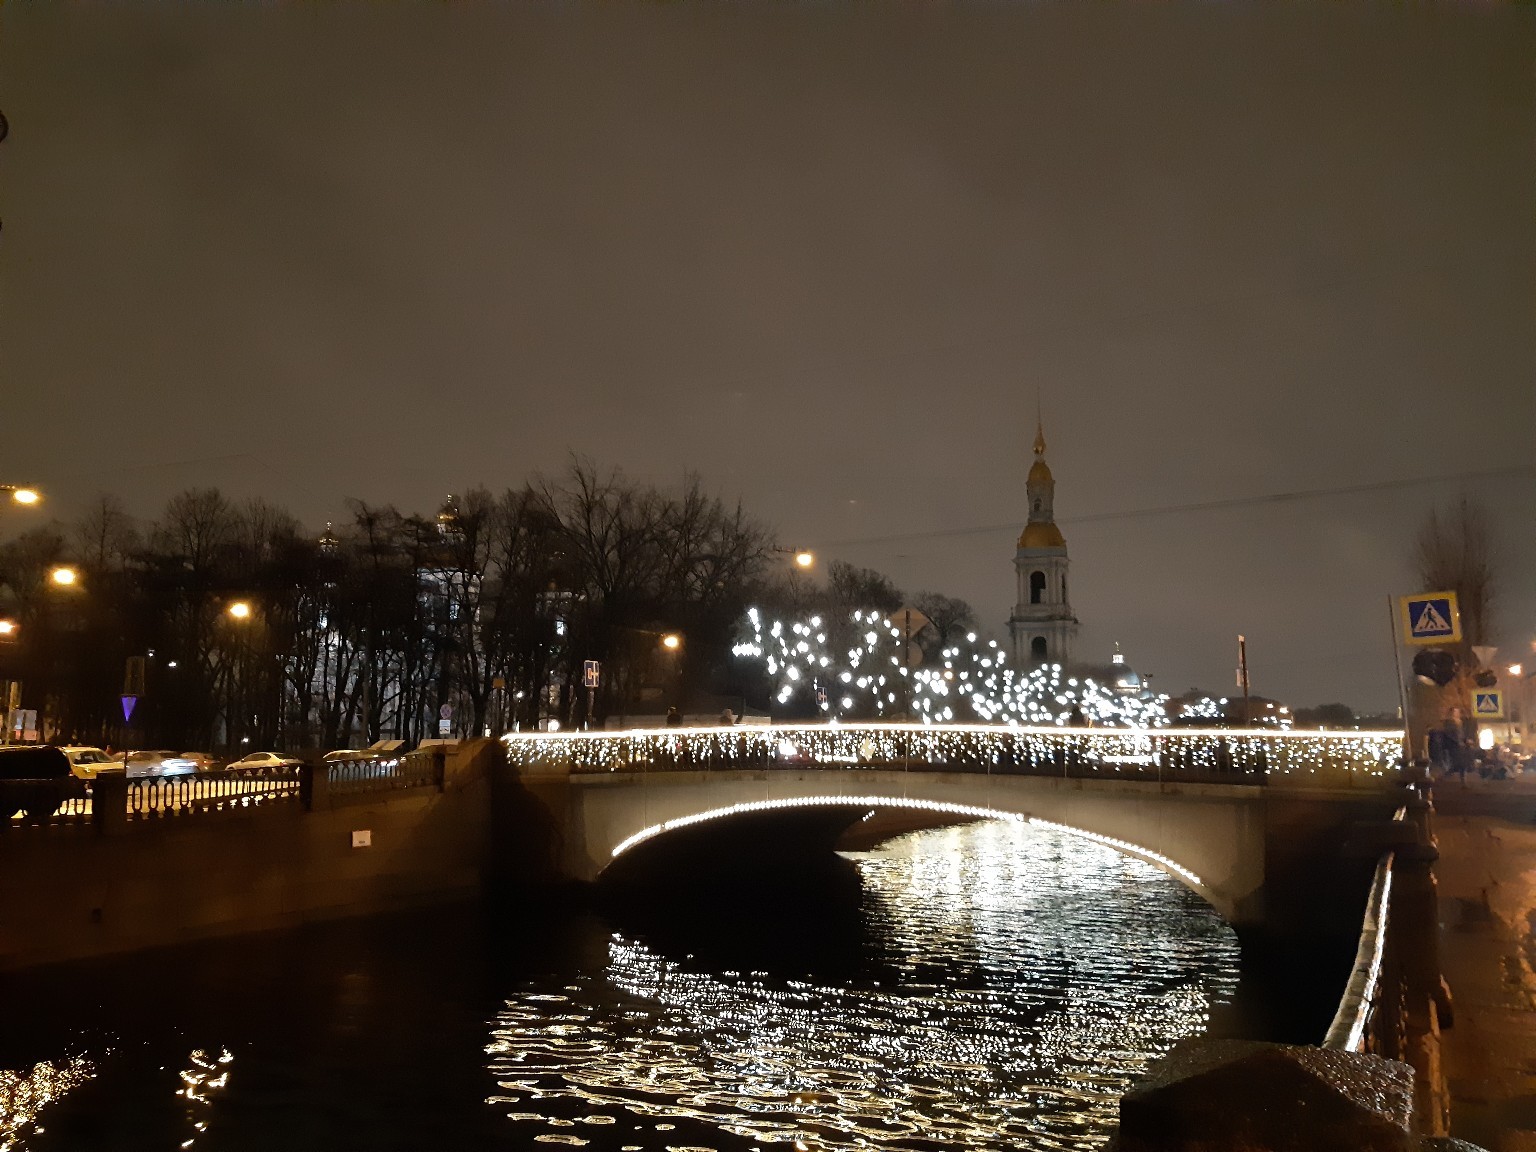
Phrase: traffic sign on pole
(1488, 704)
(128, 703)
(1430, 618)
(592, 672)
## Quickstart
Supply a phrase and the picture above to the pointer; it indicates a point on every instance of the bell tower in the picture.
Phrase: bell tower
(1042, 628)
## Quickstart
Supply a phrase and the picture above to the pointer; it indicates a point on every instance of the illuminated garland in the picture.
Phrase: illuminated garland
(1034, 750)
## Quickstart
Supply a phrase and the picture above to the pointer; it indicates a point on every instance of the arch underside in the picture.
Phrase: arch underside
(1183, 874)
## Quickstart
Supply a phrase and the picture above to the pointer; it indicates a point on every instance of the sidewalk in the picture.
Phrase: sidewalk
(1487, 879)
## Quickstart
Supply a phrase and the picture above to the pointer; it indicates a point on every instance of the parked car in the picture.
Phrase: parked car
(264, 762)
(347, 755)
(85, 762)
(35, 779)
(159, 762)
(201, 761)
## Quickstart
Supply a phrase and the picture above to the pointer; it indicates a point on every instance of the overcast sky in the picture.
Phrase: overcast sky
(825, 255)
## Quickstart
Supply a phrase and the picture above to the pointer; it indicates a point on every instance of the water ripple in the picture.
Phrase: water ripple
(1037, 975)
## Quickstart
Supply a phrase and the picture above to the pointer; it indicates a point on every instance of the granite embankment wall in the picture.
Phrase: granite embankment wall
(194, 861)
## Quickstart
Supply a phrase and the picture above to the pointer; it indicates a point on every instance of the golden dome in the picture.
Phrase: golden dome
(1039, 473)
(1041, 535)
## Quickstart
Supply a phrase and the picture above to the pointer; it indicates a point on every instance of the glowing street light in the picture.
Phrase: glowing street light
(1516, 669)
(239, 610)
(671, 641)
(7, 627)
(24, 495)
(64, 576)
(805, 559)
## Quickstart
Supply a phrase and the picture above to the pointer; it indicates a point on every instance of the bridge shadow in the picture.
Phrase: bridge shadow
(763, 892)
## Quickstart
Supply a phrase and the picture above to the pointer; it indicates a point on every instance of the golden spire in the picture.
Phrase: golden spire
(1039, 437)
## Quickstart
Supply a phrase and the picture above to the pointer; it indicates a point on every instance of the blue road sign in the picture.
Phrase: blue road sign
(128, 703)
(1488, 704)
(1431, 618)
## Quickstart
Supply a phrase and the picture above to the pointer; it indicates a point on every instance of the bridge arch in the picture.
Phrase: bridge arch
(1125, 847)
(1213, 844)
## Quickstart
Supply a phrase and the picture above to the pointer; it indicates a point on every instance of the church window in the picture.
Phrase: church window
(1037, 649)
(1036, 587)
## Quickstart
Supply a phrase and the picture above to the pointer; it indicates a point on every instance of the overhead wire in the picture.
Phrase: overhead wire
(1200, 505)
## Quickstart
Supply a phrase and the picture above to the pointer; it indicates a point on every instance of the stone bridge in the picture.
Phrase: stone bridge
(1251, 820)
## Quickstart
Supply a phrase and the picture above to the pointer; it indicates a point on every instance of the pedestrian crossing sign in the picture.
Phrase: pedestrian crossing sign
(1488, 705)
(1431, 618)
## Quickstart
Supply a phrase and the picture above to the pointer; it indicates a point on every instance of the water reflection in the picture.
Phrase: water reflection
(1017, 981)
(205, 1077)
(23, 1095)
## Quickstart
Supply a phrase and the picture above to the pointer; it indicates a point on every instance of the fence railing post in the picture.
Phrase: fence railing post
(315, 786)
(109, 804)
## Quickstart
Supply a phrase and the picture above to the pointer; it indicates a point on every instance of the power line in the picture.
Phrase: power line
(1204, 505)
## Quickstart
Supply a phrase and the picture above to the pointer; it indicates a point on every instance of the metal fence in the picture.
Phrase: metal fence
(413, 770)
(1193, 754)
(45, 803)
(1371, 1012)
(158, 797)
(71, 803)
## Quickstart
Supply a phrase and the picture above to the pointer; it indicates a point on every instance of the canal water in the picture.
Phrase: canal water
(988, 986)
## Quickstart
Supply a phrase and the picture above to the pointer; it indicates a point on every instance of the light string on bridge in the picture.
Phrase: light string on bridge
(1238, 754)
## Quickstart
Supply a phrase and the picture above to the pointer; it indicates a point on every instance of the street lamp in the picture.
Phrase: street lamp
(1516, 669)
(22, 495)
(805, 558)
(239, 610)
(8, 628)
(64, 576)
(671, 641)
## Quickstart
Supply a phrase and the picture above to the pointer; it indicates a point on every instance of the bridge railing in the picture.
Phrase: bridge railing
(413, 770)
(1368, 1010)
(163, 797)
(1192, 754)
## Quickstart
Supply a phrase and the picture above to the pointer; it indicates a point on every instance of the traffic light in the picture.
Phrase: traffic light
(1435, 666)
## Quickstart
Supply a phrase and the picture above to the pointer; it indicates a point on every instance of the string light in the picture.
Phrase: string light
(1238, 753)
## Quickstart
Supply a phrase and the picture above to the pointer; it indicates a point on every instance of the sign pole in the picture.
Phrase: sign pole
(1242, 679)
(1397, 668)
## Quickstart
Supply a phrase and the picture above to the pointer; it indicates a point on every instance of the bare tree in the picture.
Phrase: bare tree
(1454, 550)
(105, 535)
(949, 616)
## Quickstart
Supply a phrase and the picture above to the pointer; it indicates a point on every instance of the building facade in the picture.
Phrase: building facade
(1042, 629)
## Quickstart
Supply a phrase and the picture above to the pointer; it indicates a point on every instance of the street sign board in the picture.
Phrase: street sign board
(592, 672)
(443, 727)
(1488, 704)
(445, 712)
(1430, 618)
(128, 703)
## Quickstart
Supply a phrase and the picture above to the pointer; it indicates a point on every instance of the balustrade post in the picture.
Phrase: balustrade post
(109, 803)
(315, 786)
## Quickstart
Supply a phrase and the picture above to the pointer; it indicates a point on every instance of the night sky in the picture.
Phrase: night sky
(827, 256)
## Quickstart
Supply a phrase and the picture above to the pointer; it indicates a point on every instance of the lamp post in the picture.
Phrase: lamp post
(21, 493)
(240, 613)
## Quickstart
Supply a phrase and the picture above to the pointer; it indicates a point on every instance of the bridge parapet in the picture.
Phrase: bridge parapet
(1222, 755)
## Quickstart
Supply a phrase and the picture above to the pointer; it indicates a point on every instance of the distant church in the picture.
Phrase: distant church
(1042, 628)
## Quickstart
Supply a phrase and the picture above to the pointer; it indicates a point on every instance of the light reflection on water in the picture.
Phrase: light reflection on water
(23, 1095)
(1035, 977)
